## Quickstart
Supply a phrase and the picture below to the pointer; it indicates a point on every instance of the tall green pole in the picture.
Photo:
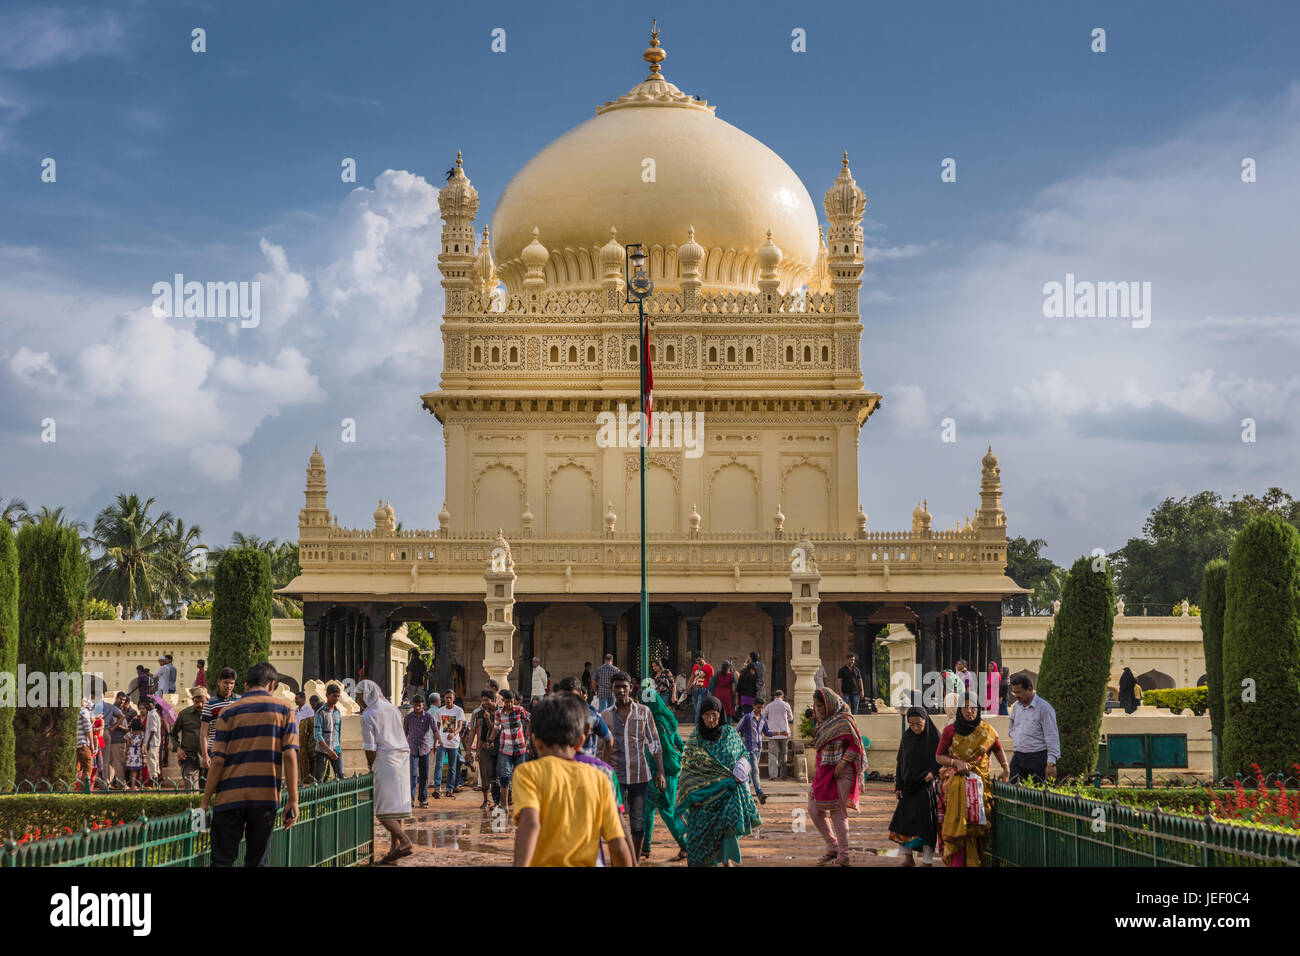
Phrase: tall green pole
(645, 427)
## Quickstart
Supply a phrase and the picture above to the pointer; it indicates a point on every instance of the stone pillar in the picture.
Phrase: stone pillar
(499, 629)
(525, 617)
(779, 661)
(805, 630)
(609, 615)
(441, 634)
(928, 614)
(378, 648)
(693, 613)
(310, 643)
(991, 611)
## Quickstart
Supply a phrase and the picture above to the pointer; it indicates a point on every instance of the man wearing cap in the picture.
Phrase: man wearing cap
(166, 675)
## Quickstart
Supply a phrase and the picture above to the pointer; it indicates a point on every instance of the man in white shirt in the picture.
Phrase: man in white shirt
(1034, 735)
(304, 708)
(450, 720)
(166, 675)
(779, 718)
(152, 739)
(539, 679)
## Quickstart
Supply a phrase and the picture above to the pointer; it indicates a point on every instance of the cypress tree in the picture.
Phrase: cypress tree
(1261, 649)
(51, 639)
(8, 650)
(1076, 664)
(240, 633)
(1213, 583)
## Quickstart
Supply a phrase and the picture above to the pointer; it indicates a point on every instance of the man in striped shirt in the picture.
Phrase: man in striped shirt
(255, 748)
(212, 710)
(511, 733)
(632, 734)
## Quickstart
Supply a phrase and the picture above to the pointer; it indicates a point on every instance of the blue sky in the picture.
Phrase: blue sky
(1122, 165)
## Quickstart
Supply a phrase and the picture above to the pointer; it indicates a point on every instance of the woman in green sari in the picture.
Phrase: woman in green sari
(664, 801)
(713, 797)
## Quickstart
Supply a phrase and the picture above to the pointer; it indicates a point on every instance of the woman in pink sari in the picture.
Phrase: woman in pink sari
(840, 759)
(992, 688)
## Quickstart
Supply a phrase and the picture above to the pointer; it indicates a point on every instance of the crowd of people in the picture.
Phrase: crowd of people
(586, 767)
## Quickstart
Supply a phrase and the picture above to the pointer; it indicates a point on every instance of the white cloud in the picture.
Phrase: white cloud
(283, 290)
(31, 367)
(45, 37)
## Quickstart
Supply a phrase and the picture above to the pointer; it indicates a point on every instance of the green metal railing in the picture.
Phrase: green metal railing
(335, 827)
(1037, 828)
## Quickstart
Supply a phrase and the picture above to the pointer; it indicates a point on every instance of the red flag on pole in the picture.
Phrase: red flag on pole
(647, 397)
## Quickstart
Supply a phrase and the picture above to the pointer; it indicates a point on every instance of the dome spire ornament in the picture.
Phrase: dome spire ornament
(654, 54)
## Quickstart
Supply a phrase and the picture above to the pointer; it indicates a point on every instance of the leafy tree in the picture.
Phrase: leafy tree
(8, 647)
(283, 557)
(1261, 649)
(1213, 586)
(98, 609)
(1180, 536)
(1029, 569)
(129, 570)
(1076, 664)
(240, 635)
(51, 638)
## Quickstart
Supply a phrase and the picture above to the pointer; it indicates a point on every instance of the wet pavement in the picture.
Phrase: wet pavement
(458, 832)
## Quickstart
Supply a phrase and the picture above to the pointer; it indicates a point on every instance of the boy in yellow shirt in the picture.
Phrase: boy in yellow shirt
(564, 808)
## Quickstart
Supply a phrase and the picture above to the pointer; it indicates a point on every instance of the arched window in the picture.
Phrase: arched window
(672, 353)
(749, 353)
(632, 353)
(731, 353)
(496, 354)
(789, 353)
(807, 353)
(514, 354)
(478, 355)
(713, 353)
(826, 354)
(591, 353)
(555, 354)
(573, 353)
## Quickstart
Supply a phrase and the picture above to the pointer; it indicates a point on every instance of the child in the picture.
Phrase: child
(563, 808)
(135, 754)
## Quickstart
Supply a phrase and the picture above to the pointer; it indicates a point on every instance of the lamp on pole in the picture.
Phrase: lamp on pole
(638, 286)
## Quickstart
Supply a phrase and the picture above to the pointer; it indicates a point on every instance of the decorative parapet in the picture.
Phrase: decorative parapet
(902, 552)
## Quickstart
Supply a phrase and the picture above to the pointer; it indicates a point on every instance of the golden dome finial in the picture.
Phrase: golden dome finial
(458, 161)
(654, 55)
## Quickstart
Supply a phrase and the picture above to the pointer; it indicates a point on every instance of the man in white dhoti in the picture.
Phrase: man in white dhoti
(388, 754)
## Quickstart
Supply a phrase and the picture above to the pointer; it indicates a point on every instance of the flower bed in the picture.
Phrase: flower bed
(57, 814)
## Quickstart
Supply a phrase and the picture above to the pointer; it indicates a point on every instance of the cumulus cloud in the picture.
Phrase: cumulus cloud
(30, 367)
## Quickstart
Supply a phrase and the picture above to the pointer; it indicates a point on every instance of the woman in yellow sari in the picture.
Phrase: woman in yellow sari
(965, 807)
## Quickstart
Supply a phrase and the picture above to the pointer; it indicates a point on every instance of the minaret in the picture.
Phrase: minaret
(485, 272)
(535, 256)
(991, 520)
(315, 514)
(769, 277)
(845, 204)
(458, 202)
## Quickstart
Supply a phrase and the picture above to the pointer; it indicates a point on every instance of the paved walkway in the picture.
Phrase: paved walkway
(457, 832)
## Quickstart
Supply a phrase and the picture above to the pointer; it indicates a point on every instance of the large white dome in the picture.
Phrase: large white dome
(707, 174)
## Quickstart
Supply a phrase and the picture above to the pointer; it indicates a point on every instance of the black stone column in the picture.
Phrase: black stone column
(311, 643)
(609, 615)
(928, 614)
(779, 613)
(992, 613)
(525, 618)
(372, 644)
(440, 628)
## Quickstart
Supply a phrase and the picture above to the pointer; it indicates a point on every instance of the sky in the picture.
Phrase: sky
(1122, 165)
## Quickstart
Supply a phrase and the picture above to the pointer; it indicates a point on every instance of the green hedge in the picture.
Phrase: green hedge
(51, 638)
(23, 812)
(1076, 664)
(8, 647)
(1213, 594)
(1177, 699)
(1261, 649)
(240, 635)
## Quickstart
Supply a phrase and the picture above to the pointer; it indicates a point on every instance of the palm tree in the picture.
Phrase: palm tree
(14, 512)
(181, 546)
(130, 568)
